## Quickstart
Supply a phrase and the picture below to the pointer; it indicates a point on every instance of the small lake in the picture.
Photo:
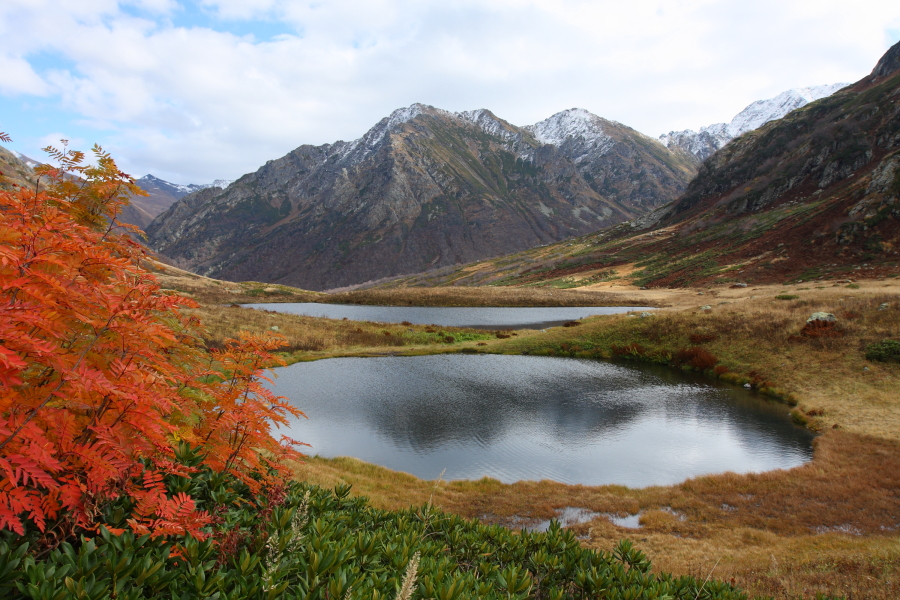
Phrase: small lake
(531, 418)
(518, 317)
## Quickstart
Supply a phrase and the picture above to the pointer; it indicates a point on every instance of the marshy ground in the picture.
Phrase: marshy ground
(832, 525)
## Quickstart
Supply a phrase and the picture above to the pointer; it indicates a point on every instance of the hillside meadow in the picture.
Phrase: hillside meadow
(829, 526)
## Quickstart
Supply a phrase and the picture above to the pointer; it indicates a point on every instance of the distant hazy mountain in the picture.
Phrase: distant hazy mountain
(423, 188)
(705, 142)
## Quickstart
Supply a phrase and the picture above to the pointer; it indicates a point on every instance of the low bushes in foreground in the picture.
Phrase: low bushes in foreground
(302, 541)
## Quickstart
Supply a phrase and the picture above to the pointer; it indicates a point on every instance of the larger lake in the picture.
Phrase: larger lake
(478, 317)
(530, 418)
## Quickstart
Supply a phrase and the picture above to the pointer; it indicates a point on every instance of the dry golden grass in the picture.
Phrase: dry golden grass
(214, 291)
(830, 526)
(310, 338)
(485, 296)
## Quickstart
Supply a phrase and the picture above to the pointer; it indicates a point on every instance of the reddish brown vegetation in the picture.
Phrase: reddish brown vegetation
(821, 329)
(629, 350)
(702, 338)
(697, 357)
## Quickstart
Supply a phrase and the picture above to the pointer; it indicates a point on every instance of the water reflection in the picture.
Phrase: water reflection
(525, 417)
(477, 317)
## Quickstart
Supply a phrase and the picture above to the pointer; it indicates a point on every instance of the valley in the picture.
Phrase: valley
(826, 526)
(758, 260)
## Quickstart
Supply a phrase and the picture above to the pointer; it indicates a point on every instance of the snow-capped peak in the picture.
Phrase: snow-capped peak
(761, 112)
(712, 137)
(150, 182)
(219, 183)
(583, 131)
(571, 123)
(359, 149)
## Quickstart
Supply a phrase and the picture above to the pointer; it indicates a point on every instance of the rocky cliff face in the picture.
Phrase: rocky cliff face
(423, 188)
(704, 143)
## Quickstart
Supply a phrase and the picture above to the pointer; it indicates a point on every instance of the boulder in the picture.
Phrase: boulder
(822, 316)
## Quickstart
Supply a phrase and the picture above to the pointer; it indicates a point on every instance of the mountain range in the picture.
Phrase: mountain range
(141, 210)
(422, 188)
(162, 195)
(426, 188)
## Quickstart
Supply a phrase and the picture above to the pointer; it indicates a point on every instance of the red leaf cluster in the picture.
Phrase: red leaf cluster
(102, 374)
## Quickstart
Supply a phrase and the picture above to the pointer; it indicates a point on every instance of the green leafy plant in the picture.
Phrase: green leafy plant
(884, 351)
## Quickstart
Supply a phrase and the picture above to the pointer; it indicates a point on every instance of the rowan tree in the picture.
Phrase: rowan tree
(102, 372)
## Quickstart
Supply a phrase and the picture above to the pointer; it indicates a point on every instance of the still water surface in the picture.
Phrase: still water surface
(478, 317)
(530, 418)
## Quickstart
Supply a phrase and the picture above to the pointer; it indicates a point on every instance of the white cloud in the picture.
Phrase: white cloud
(198, 102)
(19, 78)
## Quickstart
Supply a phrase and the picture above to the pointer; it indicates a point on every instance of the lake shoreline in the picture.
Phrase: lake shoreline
(831, 525)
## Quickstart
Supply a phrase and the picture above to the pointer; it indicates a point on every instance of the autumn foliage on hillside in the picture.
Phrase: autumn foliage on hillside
(102, 375)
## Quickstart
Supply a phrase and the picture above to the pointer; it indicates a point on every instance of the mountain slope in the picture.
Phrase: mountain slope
(423, 188)
(702, 144)
(815, 195)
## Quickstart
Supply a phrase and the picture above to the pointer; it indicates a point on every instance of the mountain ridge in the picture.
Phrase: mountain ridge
(814, 196)
(423, 187)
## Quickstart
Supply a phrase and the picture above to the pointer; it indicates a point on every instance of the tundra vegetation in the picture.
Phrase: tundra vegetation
(828, 526)
(136, 461)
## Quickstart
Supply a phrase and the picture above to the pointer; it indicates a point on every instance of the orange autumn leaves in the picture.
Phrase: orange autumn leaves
(101, 374)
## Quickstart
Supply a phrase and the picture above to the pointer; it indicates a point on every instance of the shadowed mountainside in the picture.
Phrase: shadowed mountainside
(423, 188)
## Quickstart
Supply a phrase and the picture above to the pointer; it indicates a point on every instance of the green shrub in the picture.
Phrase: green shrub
(786, 297)
(853, 286)
(886, 351)
(302, 541)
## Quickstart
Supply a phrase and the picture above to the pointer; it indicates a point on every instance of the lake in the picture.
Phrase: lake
(530, 418)
(477, 317)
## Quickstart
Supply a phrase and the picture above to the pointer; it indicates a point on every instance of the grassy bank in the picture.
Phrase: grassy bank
(213, 291)
(830, 525)
(312, 338)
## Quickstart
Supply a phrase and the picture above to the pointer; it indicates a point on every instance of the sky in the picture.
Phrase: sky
(193, 91)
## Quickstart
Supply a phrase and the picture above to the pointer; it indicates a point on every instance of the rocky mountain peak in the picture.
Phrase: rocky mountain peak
(889, 63)
(709, 139)
(572, 123)
(581, 134)
(355, 152)
(423, 188)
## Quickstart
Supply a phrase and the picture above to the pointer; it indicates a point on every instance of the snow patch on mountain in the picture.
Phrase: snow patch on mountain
(580, 131)
(353, 153)
(492, 125)
(762, 111)
(704, 143)
(219, 183)
(152, 183)
(28, 162)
